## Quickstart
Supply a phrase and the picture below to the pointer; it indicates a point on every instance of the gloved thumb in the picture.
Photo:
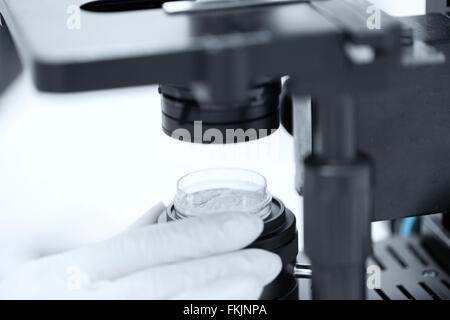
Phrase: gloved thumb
(150, 217)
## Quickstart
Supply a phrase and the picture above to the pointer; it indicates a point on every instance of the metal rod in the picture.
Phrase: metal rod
(337, 202)
(335, 128)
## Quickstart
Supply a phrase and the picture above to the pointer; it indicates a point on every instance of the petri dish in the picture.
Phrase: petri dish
(221, 191)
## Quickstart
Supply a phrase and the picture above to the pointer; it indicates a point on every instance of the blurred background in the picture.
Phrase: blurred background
(81, 167)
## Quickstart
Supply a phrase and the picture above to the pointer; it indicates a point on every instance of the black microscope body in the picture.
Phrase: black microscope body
(367, 105)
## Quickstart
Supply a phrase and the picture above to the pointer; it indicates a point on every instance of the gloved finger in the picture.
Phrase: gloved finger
(164, 243)
(236, 287)
(167, 281)
(150, 217)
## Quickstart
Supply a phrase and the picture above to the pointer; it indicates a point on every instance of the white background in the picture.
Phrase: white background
(78, 168)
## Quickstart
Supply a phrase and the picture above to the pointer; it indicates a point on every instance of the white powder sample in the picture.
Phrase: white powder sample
(221, 200)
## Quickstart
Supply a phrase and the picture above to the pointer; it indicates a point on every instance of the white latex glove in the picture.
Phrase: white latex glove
(197, 258)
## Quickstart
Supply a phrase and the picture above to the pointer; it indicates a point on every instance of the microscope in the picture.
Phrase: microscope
(364, 94)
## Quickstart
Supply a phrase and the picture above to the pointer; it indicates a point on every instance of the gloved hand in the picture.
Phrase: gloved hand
(197, 258)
